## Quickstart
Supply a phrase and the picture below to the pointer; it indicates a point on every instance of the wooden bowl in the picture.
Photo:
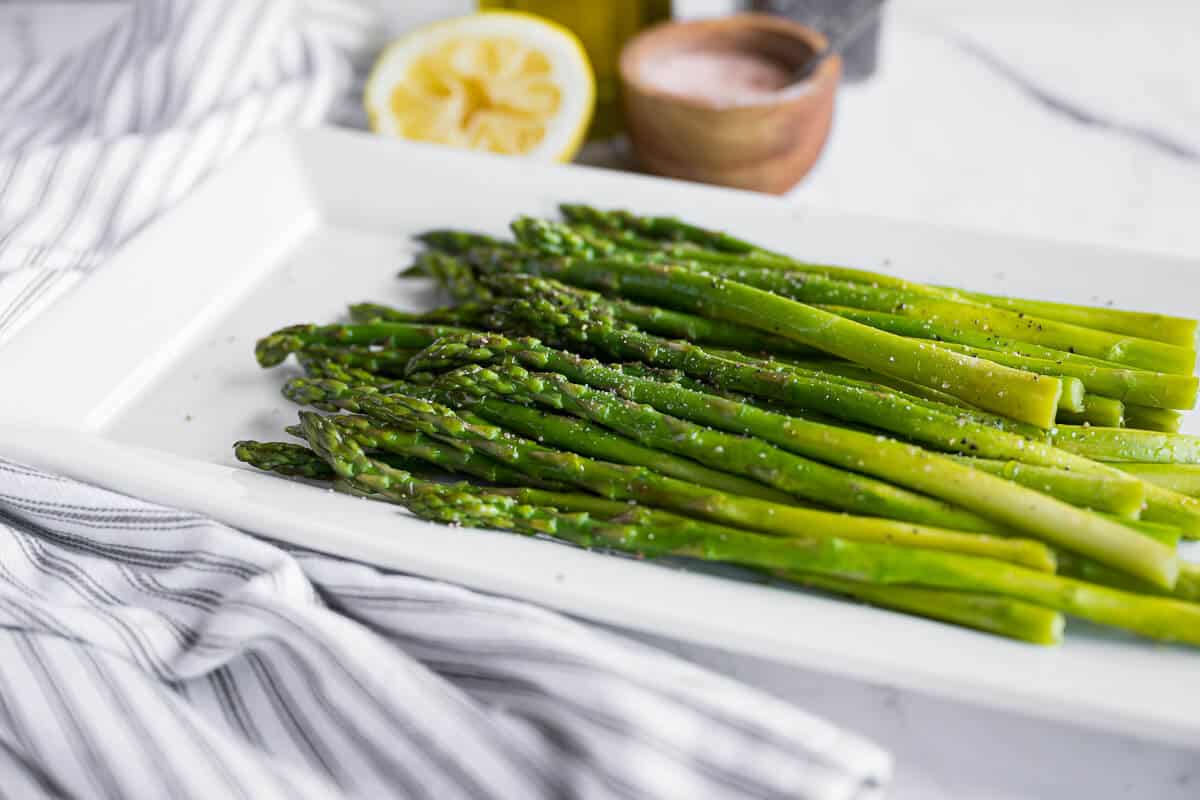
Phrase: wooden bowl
(765, 141)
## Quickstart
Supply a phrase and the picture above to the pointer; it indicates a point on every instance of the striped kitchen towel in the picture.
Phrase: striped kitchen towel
(97, 140)
(150, 652)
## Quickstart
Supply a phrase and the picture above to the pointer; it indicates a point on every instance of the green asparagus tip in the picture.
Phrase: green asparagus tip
(449, 352)
(576, 212)
(284, 458)
(272, 349)
(317, 392)
(373, 312)
(455, 241)
(457, 275)
(552, 238)
(417, 269)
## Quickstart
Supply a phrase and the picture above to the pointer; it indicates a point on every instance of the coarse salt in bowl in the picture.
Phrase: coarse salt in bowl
(717, 101)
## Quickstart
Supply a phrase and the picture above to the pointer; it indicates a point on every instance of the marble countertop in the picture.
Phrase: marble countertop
(1065, 119)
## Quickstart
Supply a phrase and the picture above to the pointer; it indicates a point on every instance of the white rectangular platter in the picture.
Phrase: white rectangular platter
(142, 380)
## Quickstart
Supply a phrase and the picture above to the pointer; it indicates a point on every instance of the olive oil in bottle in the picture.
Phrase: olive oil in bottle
(603, 26)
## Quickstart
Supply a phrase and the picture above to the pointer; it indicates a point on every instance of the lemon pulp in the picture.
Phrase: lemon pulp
(502, 82)
(492, 94)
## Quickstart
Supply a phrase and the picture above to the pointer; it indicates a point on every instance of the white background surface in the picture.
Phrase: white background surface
(939, 136)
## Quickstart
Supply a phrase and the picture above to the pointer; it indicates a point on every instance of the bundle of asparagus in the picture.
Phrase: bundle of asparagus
(644, 385)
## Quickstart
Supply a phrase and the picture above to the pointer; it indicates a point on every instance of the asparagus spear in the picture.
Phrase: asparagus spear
(716, 411)
(1152, 419)
(1078, 489)
(1099, 491)
(1021, 395)
(274, 348)
(400, 449)
(1182, 478)
(1104, 412)
(550, 317)
(550, 429)
(564, 303)
(680, 325)
(1072, 398)
(656, 320)
(956, 409)
(553, 430)
(383, 362)
(639, 484)
(1172, 508)
(909, 301)
(596, 234)
(299, 461)
(1125, 444)
(1152, 389)
(799, 476)
(999, 500)
(1162, 506)
(406, 451)
(674, 376)
(668, 228)
(455, 241)
(588, 240)
(347, 373)
(455, 275)
(1187, 588)
(413, 446)
(292, 460)
(1160, 327)
(1158, 531)
(1131, 351)
(625, 527)
(890, 412)
(594, 306)
(464, 315)
(845, 369)
(1012, 618)
(388, 368)
(943, 332)
(664, 322)
(1119, 348)
(1154, 617)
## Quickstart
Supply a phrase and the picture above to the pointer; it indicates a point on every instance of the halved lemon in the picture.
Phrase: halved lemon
(501, 81)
